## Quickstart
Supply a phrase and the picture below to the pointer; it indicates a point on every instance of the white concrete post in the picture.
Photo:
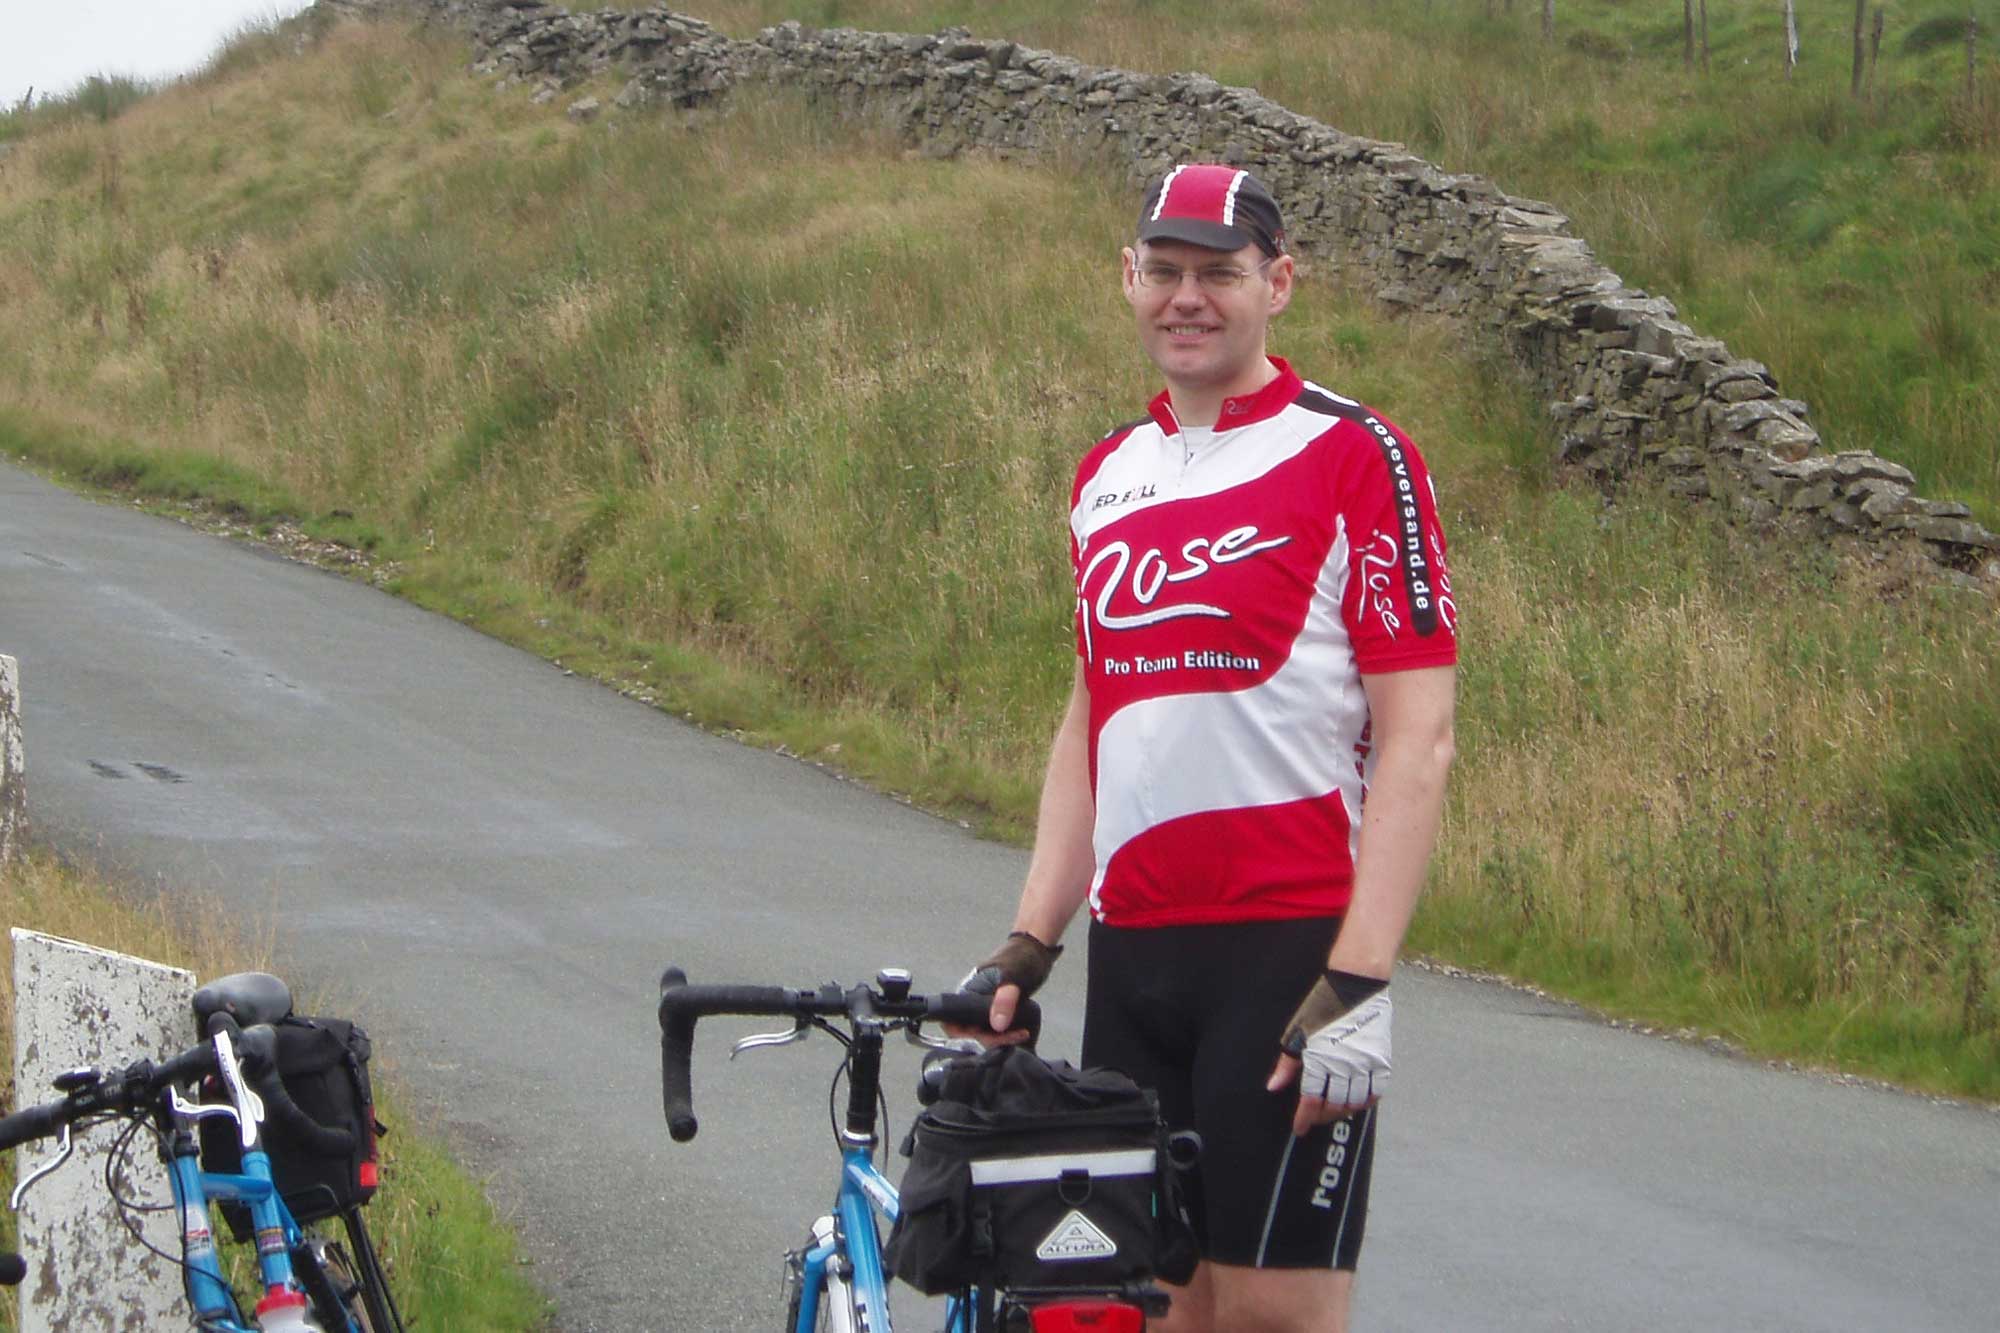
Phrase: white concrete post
(77, 1005)
(13, 763)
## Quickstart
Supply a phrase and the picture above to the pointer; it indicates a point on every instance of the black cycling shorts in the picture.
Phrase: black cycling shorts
(1195, 1013)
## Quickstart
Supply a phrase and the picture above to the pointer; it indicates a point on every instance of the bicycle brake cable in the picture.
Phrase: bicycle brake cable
(126, 1207)
(833, 1098)
(833, 1107)
(121, 1148)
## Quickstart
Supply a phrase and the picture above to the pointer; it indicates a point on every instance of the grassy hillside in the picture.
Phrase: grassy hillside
(775, 422)
(1851, 245)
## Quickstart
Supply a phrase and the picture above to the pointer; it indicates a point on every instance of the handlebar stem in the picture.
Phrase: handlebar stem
(864, 1069)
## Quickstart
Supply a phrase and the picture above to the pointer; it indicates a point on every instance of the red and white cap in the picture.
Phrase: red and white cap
(1208, 204)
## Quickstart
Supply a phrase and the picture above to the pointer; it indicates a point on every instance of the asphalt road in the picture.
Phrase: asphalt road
(488, 862)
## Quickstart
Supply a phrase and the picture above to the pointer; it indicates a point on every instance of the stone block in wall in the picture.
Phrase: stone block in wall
(1703, 356)
(1951, 531)
(1720, 374)
(1790, 478)
(1878, 499)
(1196, 88)
(1748, 417)
(1742, 391)
(1395, 163)
(1633, 369)
(1551, 266)
(1531, 216)
(1787, 441)
(1477, 188)
(1623, 426)
(1628, 309)
(1858, 465)
(1943, 508)
(1660, 337)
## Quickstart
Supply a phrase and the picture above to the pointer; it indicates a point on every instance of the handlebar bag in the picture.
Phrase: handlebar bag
(323, 1063)
(1028, 1172)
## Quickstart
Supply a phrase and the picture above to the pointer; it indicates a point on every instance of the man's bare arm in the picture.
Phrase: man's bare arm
(1060, 870)
(1411, 722)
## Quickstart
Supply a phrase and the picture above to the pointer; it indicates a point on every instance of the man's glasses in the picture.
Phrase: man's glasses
(1215, 277)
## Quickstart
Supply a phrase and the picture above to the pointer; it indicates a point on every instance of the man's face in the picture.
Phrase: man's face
(1203, 335)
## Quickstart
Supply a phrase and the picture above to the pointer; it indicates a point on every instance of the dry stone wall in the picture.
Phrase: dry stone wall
(1630, 384)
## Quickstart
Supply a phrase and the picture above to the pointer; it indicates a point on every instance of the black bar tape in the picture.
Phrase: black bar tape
(289, 1116)
(35, 1122)
(970, 1009)
(676, 1050)
(680, 1005)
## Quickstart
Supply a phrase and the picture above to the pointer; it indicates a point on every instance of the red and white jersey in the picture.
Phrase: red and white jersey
(1231, 591)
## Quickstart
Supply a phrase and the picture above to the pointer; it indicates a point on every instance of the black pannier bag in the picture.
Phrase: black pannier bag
(324, 1065)
(1026, 1172)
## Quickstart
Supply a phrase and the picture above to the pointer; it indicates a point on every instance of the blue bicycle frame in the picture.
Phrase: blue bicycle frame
(277, 1235)
(307, 1285)
(277, 1231)
(851, 1232)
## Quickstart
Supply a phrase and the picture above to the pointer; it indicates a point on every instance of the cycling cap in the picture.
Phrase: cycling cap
(1207, 204)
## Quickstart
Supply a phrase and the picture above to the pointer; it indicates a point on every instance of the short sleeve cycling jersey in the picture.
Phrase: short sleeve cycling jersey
(1232, 589)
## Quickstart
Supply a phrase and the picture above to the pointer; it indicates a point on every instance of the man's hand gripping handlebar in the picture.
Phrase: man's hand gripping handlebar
(1017, 969)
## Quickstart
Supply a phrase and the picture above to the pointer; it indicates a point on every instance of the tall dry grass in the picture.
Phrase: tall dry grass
(1800, 224)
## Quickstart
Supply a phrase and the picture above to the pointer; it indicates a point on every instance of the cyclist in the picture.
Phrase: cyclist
(1265, 629)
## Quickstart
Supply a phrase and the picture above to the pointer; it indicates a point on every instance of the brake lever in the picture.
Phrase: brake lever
(208, 1110)
(63, 1149)
(249, 1106)
(763, 1039)
(955, 1045)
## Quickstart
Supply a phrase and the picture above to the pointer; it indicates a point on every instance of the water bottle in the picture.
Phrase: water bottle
(284, 1311)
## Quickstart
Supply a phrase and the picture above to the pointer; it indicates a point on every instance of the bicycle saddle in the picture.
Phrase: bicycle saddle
(248, 997)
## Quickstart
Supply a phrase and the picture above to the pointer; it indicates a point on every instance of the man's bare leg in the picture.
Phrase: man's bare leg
(1227, 1298)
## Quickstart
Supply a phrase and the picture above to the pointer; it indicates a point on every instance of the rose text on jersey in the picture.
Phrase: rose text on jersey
(1152, 572)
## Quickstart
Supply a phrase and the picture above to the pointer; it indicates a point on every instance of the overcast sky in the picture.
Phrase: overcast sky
(53, 45)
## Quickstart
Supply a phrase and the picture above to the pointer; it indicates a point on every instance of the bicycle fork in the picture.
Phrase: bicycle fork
(813, 1278)
(825, 1280)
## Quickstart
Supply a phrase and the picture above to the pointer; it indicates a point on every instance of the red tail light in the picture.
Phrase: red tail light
(1088, 1317)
